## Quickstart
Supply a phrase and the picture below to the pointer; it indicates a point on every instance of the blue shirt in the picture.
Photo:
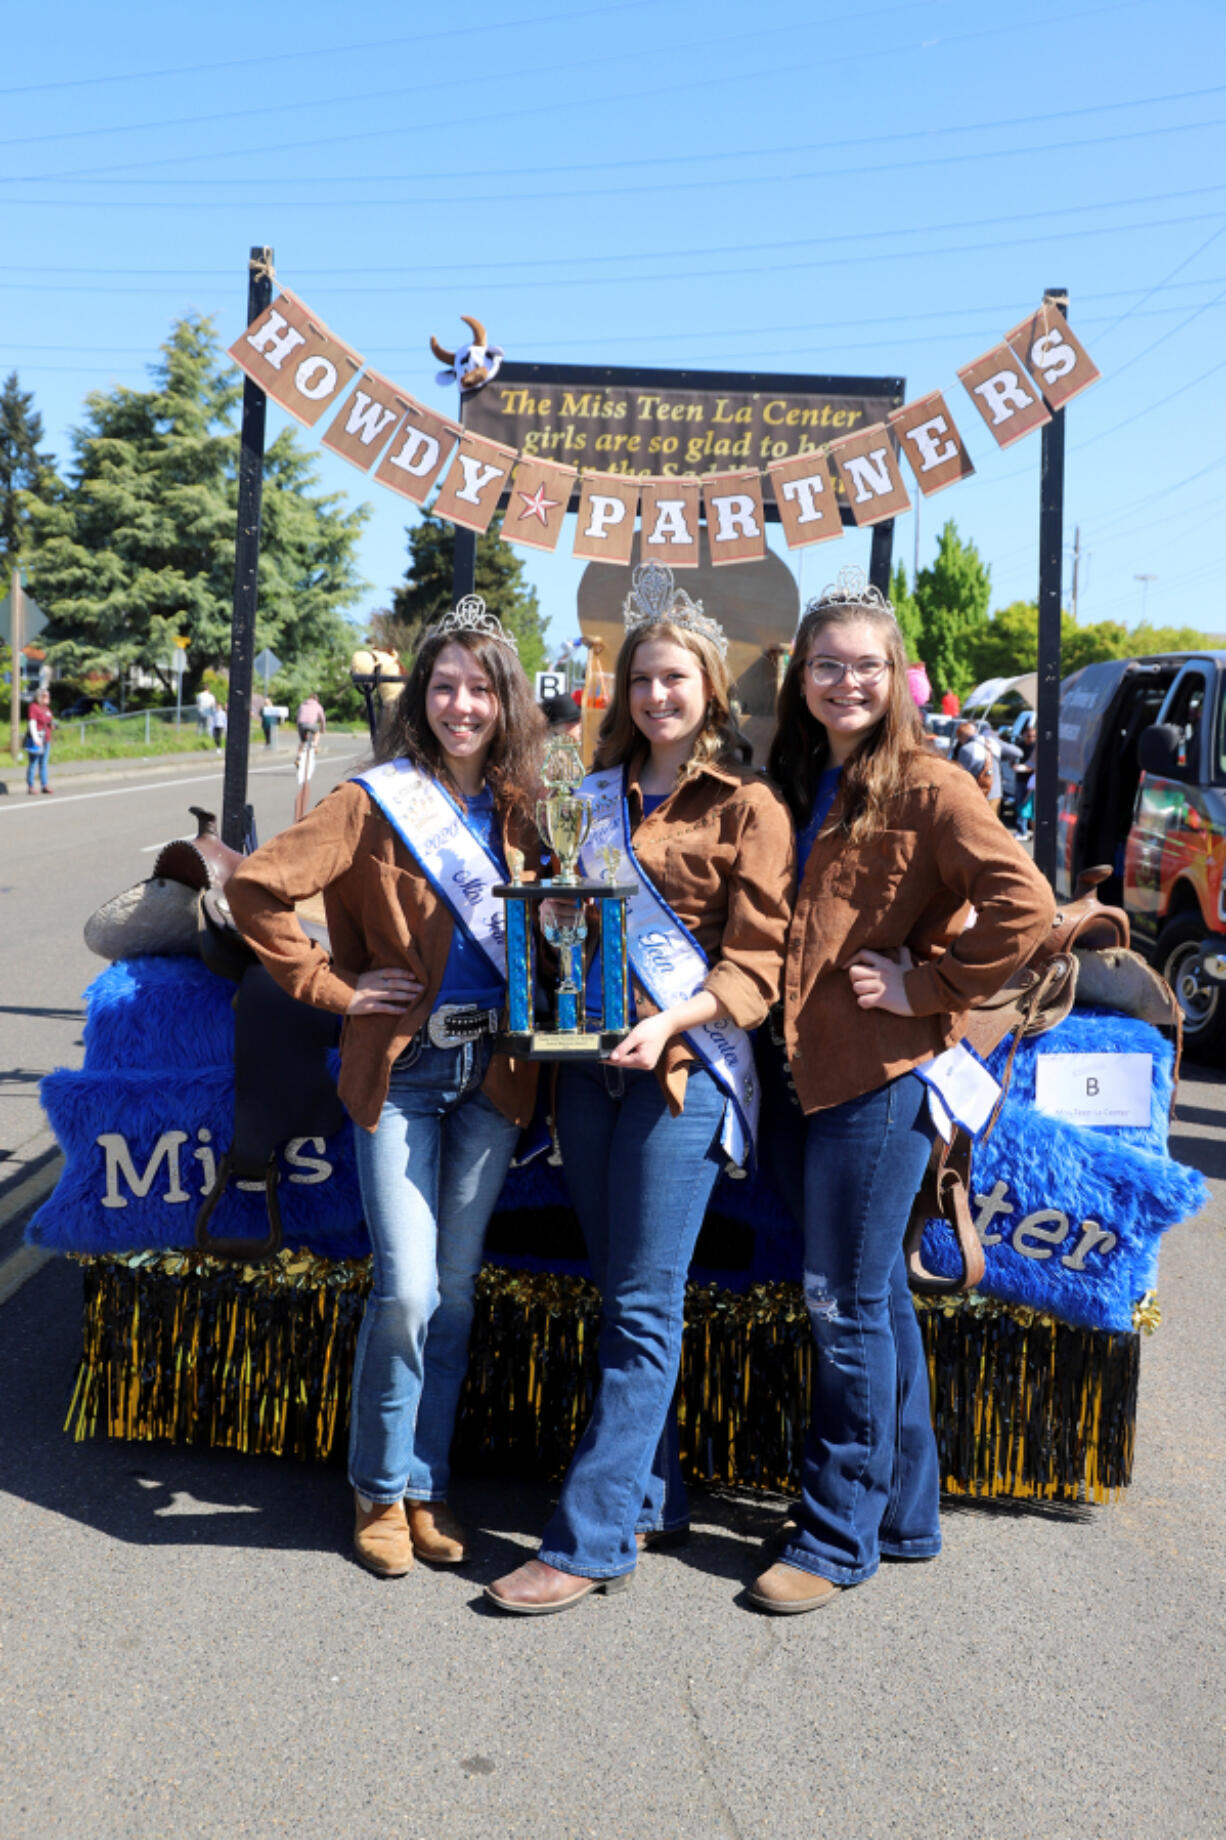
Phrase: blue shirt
(468, 976)
(823, 799)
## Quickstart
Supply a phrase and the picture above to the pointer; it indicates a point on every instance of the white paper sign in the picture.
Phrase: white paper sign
(550, 683)
(1095, 1088)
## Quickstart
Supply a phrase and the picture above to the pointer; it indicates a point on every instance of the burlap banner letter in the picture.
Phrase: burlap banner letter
(1058, 362)
(362, 426)
(415, 458)
(736, 523)
(607, 504)
(929, 438)
(474, 482)
(669, 520)
(805, 494)
(872, 478)
(294, 357)
(540, 493)
(1007, 403)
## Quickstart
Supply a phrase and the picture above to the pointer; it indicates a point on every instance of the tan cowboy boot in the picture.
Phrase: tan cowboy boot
(436, 1534)
(786, 1590)
(381, 1537)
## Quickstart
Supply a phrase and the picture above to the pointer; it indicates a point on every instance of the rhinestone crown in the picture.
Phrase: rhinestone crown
(653, 599)
(470, 616)
(851, 588)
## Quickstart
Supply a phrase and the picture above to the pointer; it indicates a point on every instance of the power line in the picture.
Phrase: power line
(536, 110)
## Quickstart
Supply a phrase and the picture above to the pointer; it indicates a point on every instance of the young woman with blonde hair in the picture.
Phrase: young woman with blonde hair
(897, 847)
(645, 1135)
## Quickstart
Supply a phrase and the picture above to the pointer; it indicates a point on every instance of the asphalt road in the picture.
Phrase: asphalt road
(187, 1649)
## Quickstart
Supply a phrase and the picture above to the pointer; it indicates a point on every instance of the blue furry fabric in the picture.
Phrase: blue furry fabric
(1071, 1217)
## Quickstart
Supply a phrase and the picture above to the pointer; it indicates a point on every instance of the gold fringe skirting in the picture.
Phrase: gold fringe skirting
(259, 1359)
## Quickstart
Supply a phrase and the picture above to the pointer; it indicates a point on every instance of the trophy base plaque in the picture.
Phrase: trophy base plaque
(560, 1045)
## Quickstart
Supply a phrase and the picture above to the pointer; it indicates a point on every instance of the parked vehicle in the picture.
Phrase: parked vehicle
(1143, 787)
(90, 706)
(940, 731)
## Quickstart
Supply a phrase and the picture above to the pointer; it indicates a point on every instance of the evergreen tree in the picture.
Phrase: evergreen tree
(22, 467)
(426, 592)
(138, 546)
(952, 597)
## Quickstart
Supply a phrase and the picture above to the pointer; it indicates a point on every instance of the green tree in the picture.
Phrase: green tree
(952, 596)
(426, 593)
(22, 467)
(907, 613)
(138, 545)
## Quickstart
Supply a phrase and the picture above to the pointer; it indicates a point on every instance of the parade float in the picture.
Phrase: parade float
(195, 1070)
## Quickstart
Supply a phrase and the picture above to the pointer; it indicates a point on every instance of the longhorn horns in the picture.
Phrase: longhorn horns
(448, 357)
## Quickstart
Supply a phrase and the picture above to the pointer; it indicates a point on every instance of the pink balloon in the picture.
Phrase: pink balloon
(917, 683)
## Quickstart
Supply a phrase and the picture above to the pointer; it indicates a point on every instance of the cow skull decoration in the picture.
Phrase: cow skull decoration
(472, 366)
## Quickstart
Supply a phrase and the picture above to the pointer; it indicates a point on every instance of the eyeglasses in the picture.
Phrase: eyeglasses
(827, 672)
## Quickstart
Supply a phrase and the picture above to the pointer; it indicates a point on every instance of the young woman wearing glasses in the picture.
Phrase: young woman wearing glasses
(896, 848)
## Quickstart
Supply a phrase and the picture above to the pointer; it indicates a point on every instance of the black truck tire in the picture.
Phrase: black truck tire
(1202, 1001)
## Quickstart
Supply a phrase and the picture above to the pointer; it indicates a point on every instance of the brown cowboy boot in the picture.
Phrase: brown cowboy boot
(381, 1537)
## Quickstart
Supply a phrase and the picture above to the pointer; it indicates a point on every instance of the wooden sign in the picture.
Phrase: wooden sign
(295, 358)
(804, 491)
(872, 478)
(736, 521)
(669, 518)
(540, 493)
(415, 458)
(1001, 391)
(929, 437)
(607, 506)
(362, 426)
(474, 482)
(1055, 358)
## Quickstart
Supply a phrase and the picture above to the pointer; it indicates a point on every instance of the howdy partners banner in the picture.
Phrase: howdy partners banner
(647, 422)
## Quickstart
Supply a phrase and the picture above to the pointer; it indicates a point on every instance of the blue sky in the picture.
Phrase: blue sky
(787, 186)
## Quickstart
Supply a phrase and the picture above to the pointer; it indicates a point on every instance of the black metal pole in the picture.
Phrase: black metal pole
(235, 812)
(1051, 567)
(464, 564)
(881, 555)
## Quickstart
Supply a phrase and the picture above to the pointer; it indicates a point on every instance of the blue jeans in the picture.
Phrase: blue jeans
(870, 1480)
(36, 760)
(640, 1181)
(430, 1174)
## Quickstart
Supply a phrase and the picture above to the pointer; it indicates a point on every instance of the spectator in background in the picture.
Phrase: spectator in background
(311, 724)
(219, 724)
(563, 715)
(1024, 780)
(206, 703)
(39, 724)
(998, 749)
(970, 750)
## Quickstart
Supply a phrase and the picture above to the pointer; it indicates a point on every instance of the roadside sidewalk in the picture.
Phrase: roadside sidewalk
(200, 760)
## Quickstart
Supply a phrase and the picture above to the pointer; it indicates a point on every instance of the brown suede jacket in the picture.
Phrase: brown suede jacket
(942, 851)
(381, 911)
(722, 852)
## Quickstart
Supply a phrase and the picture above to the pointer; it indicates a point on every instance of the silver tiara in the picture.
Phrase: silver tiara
(851, 588)
(470, 616)
(653, 599)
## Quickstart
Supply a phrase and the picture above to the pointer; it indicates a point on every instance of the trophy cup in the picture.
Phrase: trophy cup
(564, 819)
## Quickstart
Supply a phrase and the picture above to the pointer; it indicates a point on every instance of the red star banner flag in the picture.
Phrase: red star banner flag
(928, 436)
(872, 478)
(736, 523)
(540, 493)
(362, 426)
(415, 458)
(474, 482)
(1004, 395)
(293, 356)
(669, 520)
(607, 504)
(804, 491)
(1058, 362)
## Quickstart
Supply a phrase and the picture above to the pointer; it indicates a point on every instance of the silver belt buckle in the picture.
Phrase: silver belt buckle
(453, 1024)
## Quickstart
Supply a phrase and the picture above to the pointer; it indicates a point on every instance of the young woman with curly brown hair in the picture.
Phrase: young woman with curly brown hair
(405, 855)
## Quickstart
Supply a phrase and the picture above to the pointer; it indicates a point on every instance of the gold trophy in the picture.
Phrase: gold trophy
(564, 819)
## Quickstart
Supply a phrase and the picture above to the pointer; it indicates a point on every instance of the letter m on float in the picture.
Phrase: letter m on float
(295, 358)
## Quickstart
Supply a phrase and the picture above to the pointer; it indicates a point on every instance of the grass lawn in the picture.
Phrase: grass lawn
(112, 738)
